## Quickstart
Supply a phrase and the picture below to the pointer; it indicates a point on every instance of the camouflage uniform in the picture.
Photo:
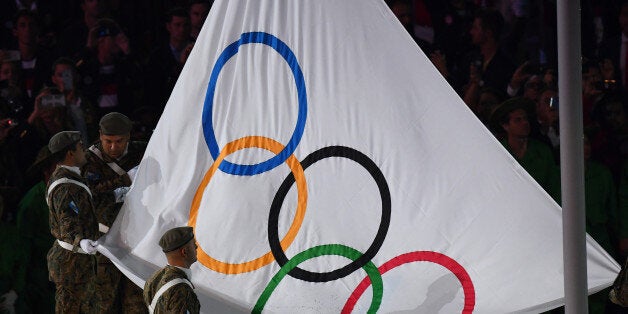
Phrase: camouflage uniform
(178, 299)
(116, 293)
(71, 220)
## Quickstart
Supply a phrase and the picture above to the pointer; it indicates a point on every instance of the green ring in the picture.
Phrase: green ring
(327, 249)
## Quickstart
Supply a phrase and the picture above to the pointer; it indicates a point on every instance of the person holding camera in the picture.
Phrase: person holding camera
(109, 71)
(48, 116)
(80, 113)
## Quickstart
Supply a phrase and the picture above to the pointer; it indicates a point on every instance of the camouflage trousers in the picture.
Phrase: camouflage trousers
(73, 298)
(115, 293)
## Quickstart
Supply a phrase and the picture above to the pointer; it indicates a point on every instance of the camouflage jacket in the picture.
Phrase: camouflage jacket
(71, 220)
(178, 299)
(102, 180)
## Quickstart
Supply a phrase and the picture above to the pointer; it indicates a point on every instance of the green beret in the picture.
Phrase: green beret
(62, 140)
(115, 123)
(176, 238)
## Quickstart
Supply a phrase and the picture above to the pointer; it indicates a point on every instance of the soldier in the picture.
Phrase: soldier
(169, 290)
(110, 165)
(72, 223)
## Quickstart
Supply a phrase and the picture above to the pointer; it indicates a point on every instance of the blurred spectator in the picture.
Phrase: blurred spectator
(529, 75)
(615, 48)
(592, 90)
(533, 87)
(12, 267)
(165, 62)
(73, 38)
(10, 72)
(35, 62)
(109, 71)
(550, 78)
(427, 15)
(609, 133)
(491, 66)
(11, 177)
(80, 112)
(545, 127)
(12, 100)
(601, 216)
(452, 20)
(48, 11)
(49, 116)
(489, 100)
(145, 119)
(547, 115)
(534, 156)
(32, 223)
(520, 36)
(198, 11)
(402, 10)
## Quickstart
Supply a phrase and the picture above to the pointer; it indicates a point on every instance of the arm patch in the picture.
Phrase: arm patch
(74, 207)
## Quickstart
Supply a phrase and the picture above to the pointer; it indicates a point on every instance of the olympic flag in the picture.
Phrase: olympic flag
(326, 166)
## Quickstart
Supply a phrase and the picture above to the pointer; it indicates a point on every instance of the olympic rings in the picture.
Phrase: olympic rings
(285, 154)
(297, 171)
(273, 237)
(208, 128)
(429, 256)
(328, 249)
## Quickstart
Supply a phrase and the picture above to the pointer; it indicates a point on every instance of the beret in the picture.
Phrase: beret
(176, 238)
(115, 123)
(62, 140)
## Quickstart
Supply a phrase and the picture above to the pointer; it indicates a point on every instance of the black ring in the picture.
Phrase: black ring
(275, 208)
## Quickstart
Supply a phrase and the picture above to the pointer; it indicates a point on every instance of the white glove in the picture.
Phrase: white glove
(7, 302)
(132, 173)
(120, 193)
(89, 246)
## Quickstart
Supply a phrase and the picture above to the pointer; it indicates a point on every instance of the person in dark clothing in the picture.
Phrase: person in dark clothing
(166, 61)
(490, 66)
(109, 71)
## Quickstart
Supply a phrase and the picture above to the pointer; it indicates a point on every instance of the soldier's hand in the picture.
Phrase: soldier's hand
(132, 173)
(89, 246)
(120, 193)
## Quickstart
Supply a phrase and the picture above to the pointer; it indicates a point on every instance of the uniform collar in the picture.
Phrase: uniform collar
(187, 271)
(74, 169)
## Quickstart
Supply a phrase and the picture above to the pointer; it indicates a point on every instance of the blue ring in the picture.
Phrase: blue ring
(208, 128)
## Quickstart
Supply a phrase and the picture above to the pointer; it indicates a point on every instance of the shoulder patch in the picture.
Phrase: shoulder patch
(90, 176)
(74, 207)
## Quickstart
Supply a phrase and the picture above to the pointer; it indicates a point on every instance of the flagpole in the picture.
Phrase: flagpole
(572, 156)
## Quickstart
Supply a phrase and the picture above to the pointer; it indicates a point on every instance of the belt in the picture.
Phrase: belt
(70, 247)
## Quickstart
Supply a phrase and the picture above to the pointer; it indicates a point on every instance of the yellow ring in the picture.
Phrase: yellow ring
(299, 176)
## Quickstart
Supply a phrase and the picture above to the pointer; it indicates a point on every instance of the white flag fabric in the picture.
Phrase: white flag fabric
(327, 167)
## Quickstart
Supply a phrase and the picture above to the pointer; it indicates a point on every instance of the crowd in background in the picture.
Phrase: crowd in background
(501, 58)
(66, 63)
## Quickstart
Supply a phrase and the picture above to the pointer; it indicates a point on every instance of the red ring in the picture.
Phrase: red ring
(428, 256)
